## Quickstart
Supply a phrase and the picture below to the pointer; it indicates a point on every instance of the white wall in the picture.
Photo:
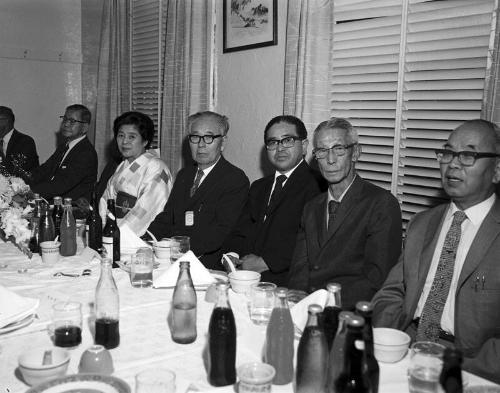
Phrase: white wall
(249, 90)
(40, 64)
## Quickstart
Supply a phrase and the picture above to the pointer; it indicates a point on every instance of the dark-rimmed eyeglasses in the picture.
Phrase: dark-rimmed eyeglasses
(208, 139)
(288, 142)
(338, 150)
(466, 158)
(71, 121)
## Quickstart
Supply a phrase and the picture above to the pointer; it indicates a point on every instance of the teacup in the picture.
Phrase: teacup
(96, 360)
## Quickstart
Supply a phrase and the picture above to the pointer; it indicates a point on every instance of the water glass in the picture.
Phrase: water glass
(426, 361)
(261, 302)
(255, 377)
(159, 380)
(67, 324)
(141, 270)
(179, 245)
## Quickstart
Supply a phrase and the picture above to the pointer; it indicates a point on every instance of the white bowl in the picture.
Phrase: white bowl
(34, 373)
(391, 345)
(242, 280)
(162, 249)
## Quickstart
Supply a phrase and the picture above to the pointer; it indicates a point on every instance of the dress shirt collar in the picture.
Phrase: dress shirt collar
(287, 174)
(476, 213)
(206, 171)
(6, 139)
(330, 196)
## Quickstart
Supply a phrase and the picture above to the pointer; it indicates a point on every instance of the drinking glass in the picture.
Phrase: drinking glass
(141, 270)
(426, 361)
(178, 247)
(261, 302)
(67, 323)
(159, 380)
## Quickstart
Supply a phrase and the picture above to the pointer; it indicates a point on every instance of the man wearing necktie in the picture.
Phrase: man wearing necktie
(350, 234)
(71, 171)
(207, 197)
(17, 150)
(446, 285)
(267, 229)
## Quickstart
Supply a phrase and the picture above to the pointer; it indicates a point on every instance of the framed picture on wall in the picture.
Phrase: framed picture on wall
(249, 24)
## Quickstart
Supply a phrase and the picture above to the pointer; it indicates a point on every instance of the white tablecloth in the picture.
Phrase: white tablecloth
(145, 336)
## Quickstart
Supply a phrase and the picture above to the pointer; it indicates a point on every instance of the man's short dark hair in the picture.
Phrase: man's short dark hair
(142, 123)
(288, 119)
(337, 122)
(85, 114)
(7, 112)
(220, 119)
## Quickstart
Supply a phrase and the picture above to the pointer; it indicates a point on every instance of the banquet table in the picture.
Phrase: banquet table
(145, 336)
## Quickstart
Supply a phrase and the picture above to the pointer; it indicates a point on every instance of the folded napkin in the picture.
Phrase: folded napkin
(14, 307)
(129, 240)
(299, 311)
(199, 273)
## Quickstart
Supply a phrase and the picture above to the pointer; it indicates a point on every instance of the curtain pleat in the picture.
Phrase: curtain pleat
(491, 100)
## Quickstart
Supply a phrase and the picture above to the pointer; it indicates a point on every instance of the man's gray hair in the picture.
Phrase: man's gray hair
(221, 120)
(338, 122)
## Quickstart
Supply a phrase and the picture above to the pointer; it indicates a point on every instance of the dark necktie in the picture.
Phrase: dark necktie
(430, 320)
(278, 187)
(332, 210)
(2, 154)
(196, 183)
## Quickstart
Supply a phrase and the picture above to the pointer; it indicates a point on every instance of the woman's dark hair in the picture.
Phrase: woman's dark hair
(142, 122)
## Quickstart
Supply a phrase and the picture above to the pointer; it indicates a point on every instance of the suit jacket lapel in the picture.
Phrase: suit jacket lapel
(320, 220)
(12, 142)
(267, 195)
(212, 178)
(429, 242)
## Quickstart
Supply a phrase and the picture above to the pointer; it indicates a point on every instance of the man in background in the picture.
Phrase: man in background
(446, 285)
(352, 233)
(267, 229)
(17, 150)
(71, 171)
(207, 197)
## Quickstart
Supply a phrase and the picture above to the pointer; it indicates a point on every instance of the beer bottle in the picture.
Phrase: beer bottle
(365, 309)
(46, 230)
(107, 308)
(57, 214)
(111, 234)
(331, 312)
(451, 373)
(68, 230)
(93, 225)
(183, 329)
(37, 209)
(337, 355)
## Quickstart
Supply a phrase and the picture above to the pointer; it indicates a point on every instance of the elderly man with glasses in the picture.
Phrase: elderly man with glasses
(71, 171)
(352, 233)
(207, 197)
(446, 285)
(266, 231)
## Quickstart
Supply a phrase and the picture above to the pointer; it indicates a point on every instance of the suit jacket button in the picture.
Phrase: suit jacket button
(315, 267)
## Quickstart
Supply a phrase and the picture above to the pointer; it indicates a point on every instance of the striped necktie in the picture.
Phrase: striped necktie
(196, 183)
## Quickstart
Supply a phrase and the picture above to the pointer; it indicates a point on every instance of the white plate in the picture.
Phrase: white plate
(82, 383)
(18, 324)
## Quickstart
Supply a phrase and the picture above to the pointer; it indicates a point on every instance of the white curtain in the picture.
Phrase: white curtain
(491, 97)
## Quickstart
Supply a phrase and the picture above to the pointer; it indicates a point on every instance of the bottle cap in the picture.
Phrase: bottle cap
(345, 315)
(67, 201)
(364, 306)
(222, 286)
(184, 264)
(356, 321)
(314, 309)
(57, 200)
(333, 287)
(281, 292)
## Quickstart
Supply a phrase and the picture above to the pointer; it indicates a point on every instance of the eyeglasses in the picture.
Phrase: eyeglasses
(466, 158)
(71, 121)
(289, 141)
(208, 139)
(338, 150)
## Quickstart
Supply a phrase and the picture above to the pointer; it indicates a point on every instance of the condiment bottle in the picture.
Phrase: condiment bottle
(93, 225)
(331, 312)
(337, 354)
(451, 373)
(279, 339)
(222, 341)
(107, 308)
(68, 230)
(46, 230)
(111, 234)
(365, 309)
(57, 214)
(183, 328)
(312, 355)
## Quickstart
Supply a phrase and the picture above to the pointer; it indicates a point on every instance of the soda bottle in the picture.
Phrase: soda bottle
(331, 312)
(37, 208)
(183, 329)
(111, 234)
(279, 339)
(365, 309)
(353, 379)
(451, 373)
(57, 214)
(93, 225)
(107, 308)
(68, 230)
(312, 355)
(34, 243)
(337, 354)
(222, 341)
(46, 230)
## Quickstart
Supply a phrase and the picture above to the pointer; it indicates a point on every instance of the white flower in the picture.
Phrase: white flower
(15, 225)
(18, 185)
(5, 187)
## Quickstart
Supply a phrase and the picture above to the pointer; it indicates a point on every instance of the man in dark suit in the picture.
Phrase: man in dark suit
(17, 150)
(267, 229)
(352, 233)
(71, 171)
(207, 197)
(446, 285)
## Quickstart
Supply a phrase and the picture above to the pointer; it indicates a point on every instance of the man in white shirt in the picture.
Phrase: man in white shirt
(446, 285)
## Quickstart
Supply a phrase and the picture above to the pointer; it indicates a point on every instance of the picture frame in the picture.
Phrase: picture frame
(249, 24)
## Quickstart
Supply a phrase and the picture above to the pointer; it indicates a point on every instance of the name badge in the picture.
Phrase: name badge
(189, 218)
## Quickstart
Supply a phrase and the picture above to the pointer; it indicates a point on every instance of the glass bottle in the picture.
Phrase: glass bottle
(46, 230)
(34, 244)
(93, 225)
(183, 329)
(107, 308)
(353, 379)
(57, 214)
(337, 354)
(279, 339)
(331, 312)
(37, 208)
(222, 341)
(451, 373)
(68, 230)
(111, 234)
(365, 309)
(312, 355)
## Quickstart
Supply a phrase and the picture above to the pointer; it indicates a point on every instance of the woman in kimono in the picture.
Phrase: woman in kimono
(142, 182)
